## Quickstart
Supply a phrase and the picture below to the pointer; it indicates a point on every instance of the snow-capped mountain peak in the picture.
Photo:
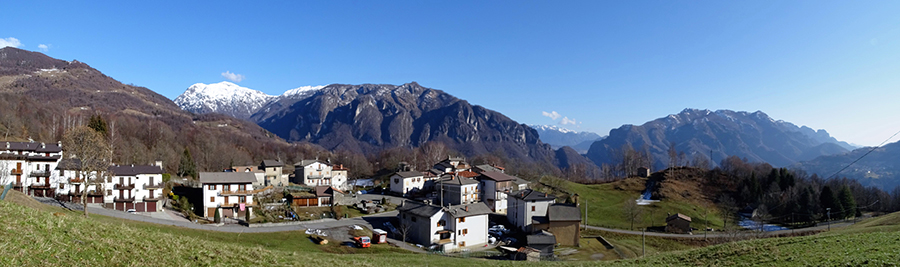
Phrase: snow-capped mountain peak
(551, 128)
(232, 99)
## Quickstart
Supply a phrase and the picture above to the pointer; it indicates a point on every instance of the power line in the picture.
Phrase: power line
(864, 155)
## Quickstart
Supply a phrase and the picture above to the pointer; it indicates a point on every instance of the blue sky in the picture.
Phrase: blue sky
(831, 65)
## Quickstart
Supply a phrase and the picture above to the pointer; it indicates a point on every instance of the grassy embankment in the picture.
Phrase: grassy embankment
(606, 203)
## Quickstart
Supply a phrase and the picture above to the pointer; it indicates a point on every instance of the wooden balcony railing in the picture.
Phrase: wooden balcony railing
(123, 186)
(40, 174)
(76, 180)
(123, 199)
(237, 193)
(15, 172)
(154, 186)
(153, 198)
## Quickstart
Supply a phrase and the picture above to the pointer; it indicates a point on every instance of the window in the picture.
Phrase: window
(441, 223)
(226, 187)
(396, 181)
(61, 173)
(462, 220)
(532, 208)
(462, 244)
(211, 187)
(242, 187)
(242, 199)
(62, 186)
(413, 219)
(212, 199)
(465, 231)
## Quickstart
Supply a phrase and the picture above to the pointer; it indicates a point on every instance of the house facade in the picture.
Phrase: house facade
(563, 220)
(495, 187)
(678, 223)
(525, 205)
(231, 193)
(72, 183)
(30, 166)
(260, 174)
(273, 173)
(314, 173)
(450, 228)
(138, 187)
(406, 182)
(457, 190)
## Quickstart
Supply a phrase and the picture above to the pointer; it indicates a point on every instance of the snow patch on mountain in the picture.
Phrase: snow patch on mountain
(232, 99)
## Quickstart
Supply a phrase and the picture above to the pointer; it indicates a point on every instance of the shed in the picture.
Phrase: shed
(678, 223)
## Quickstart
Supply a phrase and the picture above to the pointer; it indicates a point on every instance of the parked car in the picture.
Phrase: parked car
(131, 211)
(391, 228)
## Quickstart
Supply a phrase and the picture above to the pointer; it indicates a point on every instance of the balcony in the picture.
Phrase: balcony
(123, 186)
(236, 193)
(39, 186)
(17, 184)
(15, 172)
(154, 186)
(123, 199)
(155, 198)
(76, 180)
(40, 174)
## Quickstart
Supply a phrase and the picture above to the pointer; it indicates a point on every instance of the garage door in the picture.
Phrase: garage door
(140, 207)
(210, 212)
(228, 213)
(151, 206)
(129, 205)
(120, 206)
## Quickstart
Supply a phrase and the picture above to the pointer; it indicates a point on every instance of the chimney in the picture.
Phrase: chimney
(43, 145)
(159, 163)
(467, 208)
(7, 145)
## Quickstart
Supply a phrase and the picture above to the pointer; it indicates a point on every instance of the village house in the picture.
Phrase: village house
(314, 173)
(525, 205)
(29, 166)
(71, 185)
(543, 241)
(678, 223)
(229, 192)
(494, 189)
(450, 228)
(260, 174)
(452, 164)
(137, 187)
(273, 173)
(456, 190)
(488, 168)
(563, 220)
(406, 182)
(321, 196)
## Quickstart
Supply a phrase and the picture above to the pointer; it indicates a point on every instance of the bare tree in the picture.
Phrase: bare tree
(95, 154)
(404, 229)
(633, 211)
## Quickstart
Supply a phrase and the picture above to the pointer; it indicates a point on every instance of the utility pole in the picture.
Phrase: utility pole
(643, 252)
(792, 223)
(705, 231)
(828, 212)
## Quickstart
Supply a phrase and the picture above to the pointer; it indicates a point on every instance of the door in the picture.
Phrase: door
(140, 207)
(151, 206)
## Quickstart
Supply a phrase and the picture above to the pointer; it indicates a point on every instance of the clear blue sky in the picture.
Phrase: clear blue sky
(831, 65)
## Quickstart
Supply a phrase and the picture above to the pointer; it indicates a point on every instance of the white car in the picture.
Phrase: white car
(131, 211)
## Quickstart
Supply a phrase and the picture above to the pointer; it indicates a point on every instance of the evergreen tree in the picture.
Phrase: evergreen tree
(847, 202)
(98, 124)
(218, 217)
(187, 167)
(829, 200)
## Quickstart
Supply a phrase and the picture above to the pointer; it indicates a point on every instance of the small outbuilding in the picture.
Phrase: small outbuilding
(643, 172)
(678, 223)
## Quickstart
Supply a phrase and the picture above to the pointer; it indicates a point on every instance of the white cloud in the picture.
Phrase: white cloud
(553, 115)
(233, 76)
(44, 47)
(566, 120)
(11, 42)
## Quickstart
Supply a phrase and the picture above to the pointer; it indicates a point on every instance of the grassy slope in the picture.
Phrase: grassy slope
(875, 241)
(606, 204)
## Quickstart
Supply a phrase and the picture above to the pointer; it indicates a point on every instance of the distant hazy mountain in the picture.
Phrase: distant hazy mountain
(878, 169)
(722, 133)
(231, 99)
(558, 137)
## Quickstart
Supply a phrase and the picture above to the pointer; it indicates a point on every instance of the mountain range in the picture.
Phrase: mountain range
(717, 135)
(557, 137)
(231, 99)
(879, 168)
